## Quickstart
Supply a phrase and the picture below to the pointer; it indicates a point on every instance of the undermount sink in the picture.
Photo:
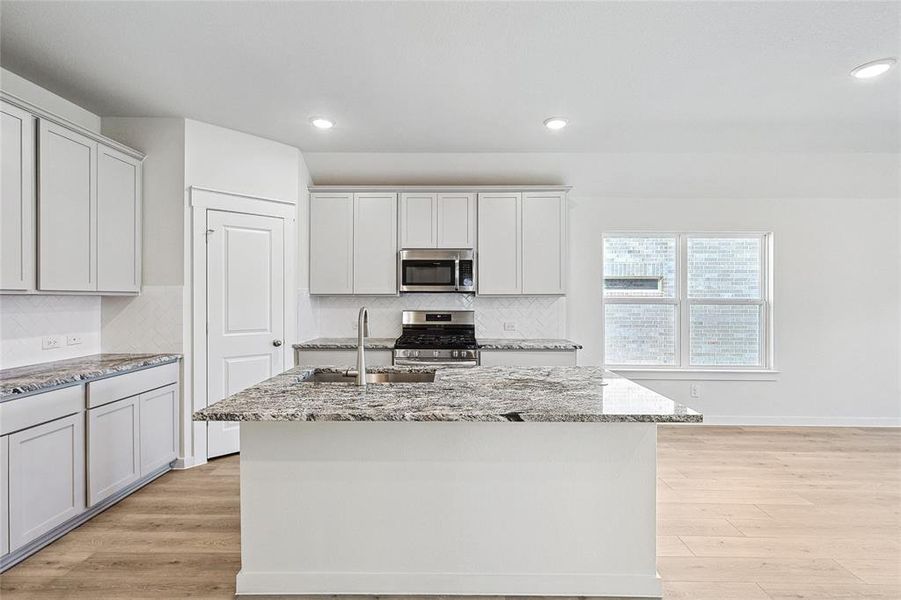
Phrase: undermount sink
(346, 377)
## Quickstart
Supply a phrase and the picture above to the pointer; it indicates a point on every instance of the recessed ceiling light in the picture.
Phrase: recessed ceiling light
(873, 69)
(555, 123)
(321, 123)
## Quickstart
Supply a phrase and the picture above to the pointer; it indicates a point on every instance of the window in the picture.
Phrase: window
(687, 301)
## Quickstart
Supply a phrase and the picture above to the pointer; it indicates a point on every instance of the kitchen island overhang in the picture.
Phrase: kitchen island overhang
(489, 481)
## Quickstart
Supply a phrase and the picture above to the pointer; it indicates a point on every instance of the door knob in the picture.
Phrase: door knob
(276, 343)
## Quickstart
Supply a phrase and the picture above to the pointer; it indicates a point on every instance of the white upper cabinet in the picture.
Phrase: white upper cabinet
(353, 243)
(17, 200)
(418, 220)
(331, 243)
(375, 243)
(456, 220)
(67, 210)
(445, 220)
(118, 221)
(522, 243)
(543, 243)
(500, 243)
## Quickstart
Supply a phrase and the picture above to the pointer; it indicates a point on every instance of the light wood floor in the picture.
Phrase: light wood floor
(743, 514)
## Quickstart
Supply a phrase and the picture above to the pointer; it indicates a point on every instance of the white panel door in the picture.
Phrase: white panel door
(67, 210)
(4, 495)
(114, 460)
(245, 310)
(118, 221)
(46, 478)
(418, 220)
(500, 248)
(456, 220)
(331, 243)
(543, 242)
(159, 428)
(375, 244)
(17, 200)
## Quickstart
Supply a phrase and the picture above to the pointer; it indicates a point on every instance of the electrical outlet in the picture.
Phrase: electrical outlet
(73, 340)
(510, 326)
(694, 390)
(48, 342)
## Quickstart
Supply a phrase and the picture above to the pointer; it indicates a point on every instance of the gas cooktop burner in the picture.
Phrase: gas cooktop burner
(428, 341)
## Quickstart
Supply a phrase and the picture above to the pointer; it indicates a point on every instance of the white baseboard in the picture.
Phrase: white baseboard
(188, 462)
(793, 421)
(250, 583)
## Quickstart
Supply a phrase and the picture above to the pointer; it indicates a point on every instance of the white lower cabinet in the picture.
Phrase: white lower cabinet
(114, 460)
(4, 495)
(159, 428)
(342, 358)
(527, 358)
(46, 478)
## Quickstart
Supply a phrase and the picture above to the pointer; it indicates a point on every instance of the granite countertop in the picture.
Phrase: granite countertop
(350, 343)
(345, 343)
(20, 381)
(551, 394)
(526, 344)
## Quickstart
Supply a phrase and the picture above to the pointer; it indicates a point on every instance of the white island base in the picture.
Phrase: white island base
(448, 508)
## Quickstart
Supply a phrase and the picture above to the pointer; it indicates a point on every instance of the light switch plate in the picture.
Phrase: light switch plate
(510, 326)
(73, 340)
(694, 390)
(48, 342)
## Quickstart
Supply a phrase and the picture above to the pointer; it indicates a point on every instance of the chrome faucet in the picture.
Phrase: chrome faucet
(362, 334)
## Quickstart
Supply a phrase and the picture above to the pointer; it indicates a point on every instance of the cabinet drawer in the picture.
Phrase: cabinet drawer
(29, 411)
(117, 387)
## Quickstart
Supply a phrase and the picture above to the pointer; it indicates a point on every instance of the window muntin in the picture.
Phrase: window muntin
(717, 286)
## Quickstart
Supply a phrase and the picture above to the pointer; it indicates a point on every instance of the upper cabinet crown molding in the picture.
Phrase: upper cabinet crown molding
(46, 115)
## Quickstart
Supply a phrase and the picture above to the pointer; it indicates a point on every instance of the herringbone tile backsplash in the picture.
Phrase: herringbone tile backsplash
(534, 316)
(25, 320)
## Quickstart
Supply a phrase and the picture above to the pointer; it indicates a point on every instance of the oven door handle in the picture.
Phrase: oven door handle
(406, 362)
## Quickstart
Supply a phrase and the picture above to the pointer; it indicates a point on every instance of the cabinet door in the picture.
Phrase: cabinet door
(418, 220)
(543, 242)
(17, 201)
(118, 221)
(456, 220)
(113, 449)
(4, 495)
(46, 478)
(375, 244)
(331, 243)
(500, 249)
(67, 210)
(159, 428)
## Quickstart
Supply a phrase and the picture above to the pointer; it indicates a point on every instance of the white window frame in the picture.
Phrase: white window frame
(683, 369)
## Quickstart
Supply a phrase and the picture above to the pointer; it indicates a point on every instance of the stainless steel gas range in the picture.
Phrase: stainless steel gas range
(446, 338)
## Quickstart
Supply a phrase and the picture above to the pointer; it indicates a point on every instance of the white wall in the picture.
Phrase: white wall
(835, 219)
(231, 161)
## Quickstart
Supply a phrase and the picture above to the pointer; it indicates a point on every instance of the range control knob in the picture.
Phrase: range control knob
(435, 353)
(415, 353)
(456, 353)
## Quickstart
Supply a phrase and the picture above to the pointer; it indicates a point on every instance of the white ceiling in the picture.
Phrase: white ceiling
(480, 77)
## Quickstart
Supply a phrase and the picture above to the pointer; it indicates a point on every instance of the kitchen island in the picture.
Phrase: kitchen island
(483, 481)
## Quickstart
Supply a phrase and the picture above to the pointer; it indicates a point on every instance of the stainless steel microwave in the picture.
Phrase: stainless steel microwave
(428, 270)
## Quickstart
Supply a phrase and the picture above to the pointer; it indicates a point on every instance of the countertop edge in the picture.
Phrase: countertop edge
(87, 377)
